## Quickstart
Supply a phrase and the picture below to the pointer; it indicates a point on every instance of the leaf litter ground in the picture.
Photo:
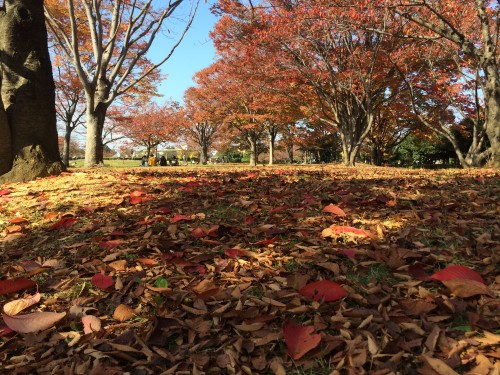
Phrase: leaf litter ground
(270, 270)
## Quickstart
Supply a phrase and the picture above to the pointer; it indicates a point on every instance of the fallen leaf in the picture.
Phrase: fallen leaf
(333, 209)
(34, 322)
(102, 281)
(14, 285)
(91, 324)
(439, 366)
(465, 288)
(179, 217)
(18, 305)
(123, 313)
(299, 339)
(457, 272)
(64, 223)
(323, 290)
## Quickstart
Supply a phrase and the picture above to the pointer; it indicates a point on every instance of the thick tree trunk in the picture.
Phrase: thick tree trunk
(67, 145)
(253, 151)
(28, 133)
(289, 151)
(203, 154)
(492, 124)
(94, 148)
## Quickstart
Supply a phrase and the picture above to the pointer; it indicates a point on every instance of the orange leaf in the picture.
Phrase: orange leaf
(457, 272)
(180, 217)
(336, 210)
(199, 232)
(338, 230)
(17, 220)
(323, 290)
(299, 340)
(123, 312)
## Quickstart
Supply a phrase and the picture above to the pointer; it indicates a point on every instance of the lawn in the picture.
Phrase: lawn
(237, 270)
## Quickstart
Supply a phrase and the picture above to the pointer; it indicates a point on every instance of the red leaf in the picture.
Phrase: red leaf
(4, 330)
(4, 192)
(136, 193)
(323, 290)
(336, 210)
(111, 244)
(265, 242)
(199, 233)
(180, 217)
(417, 272)
(233, 253)
(138, 200)
(299, 340)
(64, 223)
(249, 220)
(457, 272)
(350, 253)
(14, 285)
(102, 281)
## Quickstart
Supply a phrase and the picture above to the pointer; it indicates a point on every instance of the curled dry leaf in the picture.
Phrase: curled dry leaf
(123, 313)
(18, 305)
(333, 209)
(64, 223)
(34, 322)
(91, 324)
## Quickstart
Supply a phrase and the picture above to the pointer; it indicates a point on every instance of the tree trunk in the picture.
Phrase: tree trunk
(94, 148)
(492, 125)
(289, 151)
(67, 144)
(28, 133)
(253, 151)
(204, 154)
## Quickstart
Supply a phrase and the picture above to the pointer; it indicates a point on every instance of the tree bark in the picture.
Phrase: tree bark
(28, 133)
(252, 142)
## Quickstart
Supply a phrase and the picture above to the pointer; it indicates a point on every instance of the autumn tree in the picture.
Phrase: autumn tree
(469, 33)
(70, 104)
(107, 41)
(202, 122)
(317, 45)
(151, 125)
(28, 133)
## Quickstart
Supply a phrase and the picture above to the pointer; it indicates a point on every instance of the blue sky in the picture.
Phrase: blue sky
(194, 53)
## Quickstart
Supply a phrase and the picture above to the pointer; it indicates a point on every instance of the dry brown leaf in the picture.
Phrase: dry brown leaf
(439, 366)
(465, 288)
(18, 305)
(123, 313)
